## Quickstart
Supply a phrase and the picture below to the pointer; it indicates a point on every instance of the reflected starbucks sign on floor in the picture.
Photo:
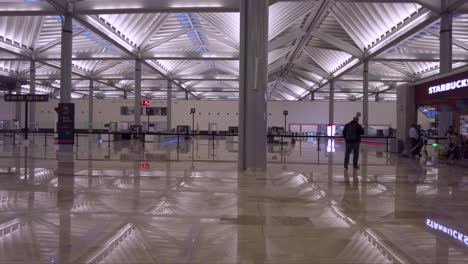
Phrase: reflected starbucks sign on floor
(449, 231)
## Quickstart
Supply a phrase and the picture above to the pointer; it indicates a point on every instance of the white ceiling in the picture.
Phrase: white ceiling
(196, 45)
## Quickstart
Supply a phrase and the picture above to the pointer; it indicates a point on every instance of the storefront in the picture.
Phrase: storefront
(449, 97)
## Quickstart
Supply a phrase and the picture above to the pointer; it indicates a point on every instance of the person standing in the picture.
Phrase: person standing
(414, 136)
(352, 133)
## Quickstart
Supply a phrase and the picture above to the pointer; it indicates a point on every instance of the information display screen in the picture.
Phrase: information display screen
(144, 103)
(26, 98)
(66, 124)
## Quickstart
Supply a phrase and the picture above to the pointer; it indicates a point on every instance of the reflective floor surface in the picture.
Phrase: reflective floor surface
(199, 149)
(392, 210)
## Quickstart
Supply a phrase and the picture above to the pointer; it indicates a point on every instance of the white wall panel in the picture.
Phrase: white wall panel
(223, 113)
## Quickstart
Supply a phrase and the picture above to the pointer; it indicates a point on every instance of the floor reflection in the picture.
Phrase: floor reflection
(90, 211)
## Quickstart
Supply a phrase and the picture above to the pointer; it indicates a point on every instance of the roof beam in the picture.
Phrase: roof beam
(166, 39)
(372, 78)
(415, 57)
(298, 83)
(283, 40)
(153, 30)
(456, 42)
(94, 7)
(321, 70)
(311, 68)
(107, 33)
(344, 46)
(315, 17)
(304, 74)
(55, 42)
(14, 50)
(149, 55)
(407, 74)
(148, 77)
(410, 27)
(79, 75)
(220, 38)
(27, 9)
(151, 6)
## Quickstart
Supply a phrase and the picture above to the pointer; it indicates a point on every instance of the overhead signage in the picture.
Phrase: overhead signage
(444, 87)
(144, 103)
(26, 98)
(449, 90)
(66, 124)
(451, 232)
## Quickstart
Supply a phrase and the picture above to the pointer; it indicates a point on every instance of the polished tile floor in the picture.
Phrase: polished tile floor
(393, 210)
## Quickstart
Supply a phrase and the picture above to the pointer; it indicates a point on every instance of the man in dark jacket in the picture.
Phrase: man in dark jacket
(352, 133)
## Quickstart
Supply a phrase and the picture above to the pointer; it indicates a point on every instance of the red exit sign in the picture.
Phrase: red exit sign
(144, 165)
(144, 103)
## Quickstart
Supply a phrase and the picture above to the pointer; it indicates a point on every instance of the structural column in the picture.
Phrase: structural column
(331, 103)
(137, 107)
(90, 105)
(18, 104)
(32, 90)
(365, 98)
(312, 96)
(125, 96)
(66, 60)
(445, 39)
(406, 114)
(445, 118)
(169, 105)
(252, 84)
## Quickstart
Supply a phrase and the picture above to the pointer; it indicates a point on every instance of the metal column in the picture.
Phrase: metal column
(312, 96)
(445, 118)
(32, 90)
(66, 60)
(445, 39)
(365, 99)
(186, 95)
(331, 103)
(377, 97)
(18, 104)
(169, 105)
(406, 114)
(125, 96)
(253, 83)
(90, 106)
(137, 107)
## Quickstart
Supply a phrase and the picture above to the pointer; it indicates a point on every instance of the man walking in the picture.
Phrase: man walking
(352, 133)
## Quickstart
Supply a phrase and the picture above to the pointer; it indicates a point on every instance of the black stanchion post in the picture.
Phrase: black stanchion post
(45, 139)
(26, 122)
(318, 143)
(178, 143)
(14, 138)
(213, 139)
(387, 144)
(108, 140)
(281, 142)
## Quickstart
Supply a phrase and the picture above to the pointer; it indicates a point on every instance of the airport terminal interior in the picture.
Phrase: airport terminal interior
(218, 131)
